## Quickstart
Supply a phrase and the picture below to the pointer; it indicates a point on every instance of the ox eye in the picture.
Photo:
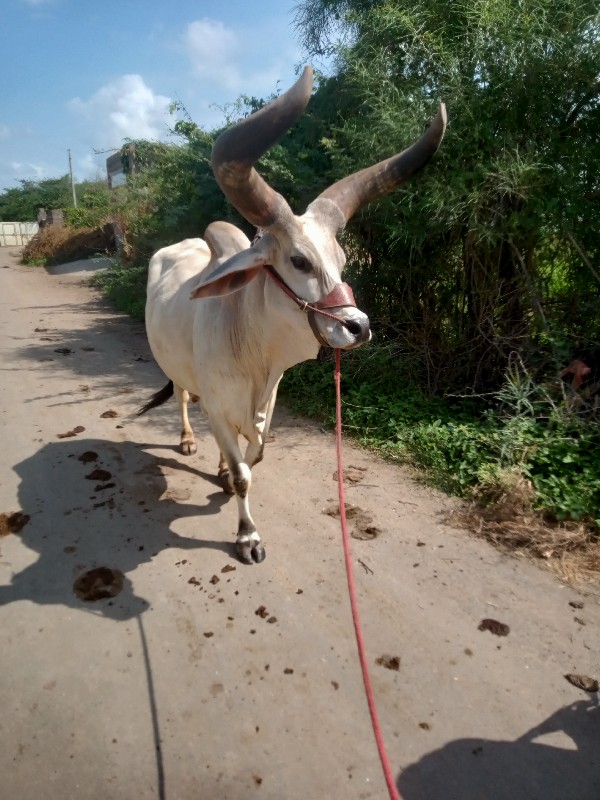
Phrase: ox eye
(302, 264)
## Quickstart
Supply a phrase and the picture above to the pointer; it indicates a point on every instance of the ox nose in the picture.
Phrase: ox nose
(359, 328)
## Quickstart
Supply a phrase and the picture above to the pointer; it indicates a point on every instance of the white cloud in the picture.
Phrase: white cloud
(227, 58)
(27, 170)
(13, 170)
(86, 164)
(90, 167)
(124, 108)
(211, 48)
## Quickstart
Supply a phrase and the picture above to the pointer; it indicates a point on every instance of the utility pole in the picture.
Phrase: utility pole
(72, 182)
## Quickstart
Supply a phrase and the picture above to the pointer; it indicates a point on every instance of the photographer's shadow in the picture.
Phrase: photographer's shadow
(480, 769)
(100, 505)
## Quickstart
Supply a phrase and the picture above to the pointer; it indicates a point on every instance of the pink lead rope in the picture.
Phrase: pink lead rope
(389, 778)
(342, 296)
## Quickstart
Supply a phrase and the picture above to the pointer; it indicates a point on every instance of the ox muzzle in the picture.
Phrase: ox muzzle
(340, 297)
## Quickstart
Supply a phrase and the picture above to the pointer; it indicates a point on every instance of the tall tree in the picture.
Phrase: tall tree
(22, 203)
(495, 248)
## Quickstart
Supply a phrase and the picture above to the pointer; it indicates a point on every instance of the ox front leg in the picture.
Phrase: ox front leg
(248, 545)
(188, 442)
(236, 477)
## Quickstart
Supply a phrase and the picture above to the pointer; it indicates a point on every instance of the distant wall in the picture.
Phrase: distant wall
(14, 234)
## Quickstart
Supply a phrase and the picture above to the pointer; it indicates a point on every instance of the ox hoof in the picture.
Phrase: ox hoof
(258, 554)
(188, 448)
(250, 552)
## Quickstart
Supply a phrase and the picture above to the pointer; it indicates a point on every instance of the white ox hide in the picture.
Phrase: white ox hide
(231, 350)
(223, 330)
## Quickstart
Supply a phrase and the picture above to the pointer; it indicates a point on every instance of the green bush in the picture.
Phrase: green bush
(84, 217)
(125, 287)
(457, 444)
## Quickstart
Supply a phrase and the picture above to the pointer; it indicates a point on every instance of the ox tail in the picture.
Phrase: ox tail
(157, 399)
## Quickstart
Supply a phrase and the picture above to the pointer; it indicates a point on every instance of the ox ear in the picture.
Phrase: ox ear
(232, 275)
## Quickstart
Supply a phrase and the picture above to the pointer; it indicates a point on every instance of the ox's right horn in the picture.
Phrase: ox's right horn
(238, 148)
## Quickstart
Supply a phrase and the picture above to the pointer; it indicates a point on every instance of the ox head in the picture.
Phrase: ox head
(303, 251)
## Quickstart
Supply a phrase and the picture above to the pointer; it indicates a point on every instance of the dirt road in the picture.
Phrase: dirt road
(203, 678)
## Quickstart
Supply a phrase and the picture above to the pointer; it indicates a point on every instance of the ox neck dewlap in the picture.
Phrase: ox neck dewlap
(340, 295)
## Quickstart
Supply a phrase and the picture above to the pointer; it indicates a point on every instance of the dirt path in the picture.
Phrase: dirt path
(176, 688)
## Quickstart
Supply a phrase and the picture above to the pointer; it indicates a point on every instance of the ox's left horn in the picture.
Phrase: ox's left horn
(238, 148)
(352, 193)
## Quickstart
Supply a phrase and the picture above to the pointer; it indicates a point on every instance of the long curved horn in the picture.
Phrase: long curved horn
(238, 148)
(351, 193)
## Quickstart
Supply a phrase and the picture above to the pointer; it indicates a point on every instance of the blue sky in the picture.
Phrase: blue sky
(85, 75)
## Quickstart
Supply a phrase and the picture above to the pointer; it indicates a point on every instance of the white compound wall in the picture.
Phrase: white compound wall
(15, 234)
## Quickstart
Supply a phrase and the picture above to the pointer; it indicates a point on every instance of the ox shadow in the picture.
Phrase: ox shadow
(119, 519)
(478, 769)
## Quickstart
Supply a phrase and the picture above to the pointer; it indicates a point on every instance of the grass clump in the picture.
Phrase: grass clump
(125, 287)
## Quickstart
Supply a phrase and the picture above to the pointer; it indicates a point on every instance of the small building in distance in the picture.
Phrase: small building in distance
(119, 165)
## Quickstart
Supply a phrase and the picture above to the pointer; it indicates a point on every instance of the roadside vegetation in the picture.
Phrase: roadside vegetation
(481, 276)
(87, 229)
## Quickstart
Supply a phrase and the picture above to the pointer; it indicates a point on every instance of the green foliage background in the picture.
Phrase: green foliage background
(22, 203)
(492, 249)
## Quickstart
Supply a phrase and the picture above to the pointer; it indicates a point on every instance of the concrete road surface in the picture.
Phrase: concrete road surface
(202, 679)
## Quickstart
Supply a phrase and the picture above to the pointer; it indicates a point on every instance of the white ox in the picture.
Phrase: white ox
(221, 320)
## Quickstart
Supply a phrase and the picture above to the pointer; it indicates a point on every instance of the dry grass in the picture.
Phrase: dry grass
(502, 513)
(59, 245)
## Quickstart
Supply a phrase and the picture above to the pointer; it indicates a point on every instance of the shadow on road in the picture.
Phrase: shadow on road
(111, 348)
(119, 519)
(483, 769)
(83, 265)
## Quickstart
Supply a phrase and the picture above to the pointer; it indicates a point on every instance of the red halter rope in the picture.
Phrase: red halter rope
(385, 764)
(340, 295)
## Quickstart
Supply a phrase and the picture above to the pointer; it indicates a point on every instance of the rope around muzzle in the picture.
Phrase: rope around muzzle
(387, 771)
(340, 295)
